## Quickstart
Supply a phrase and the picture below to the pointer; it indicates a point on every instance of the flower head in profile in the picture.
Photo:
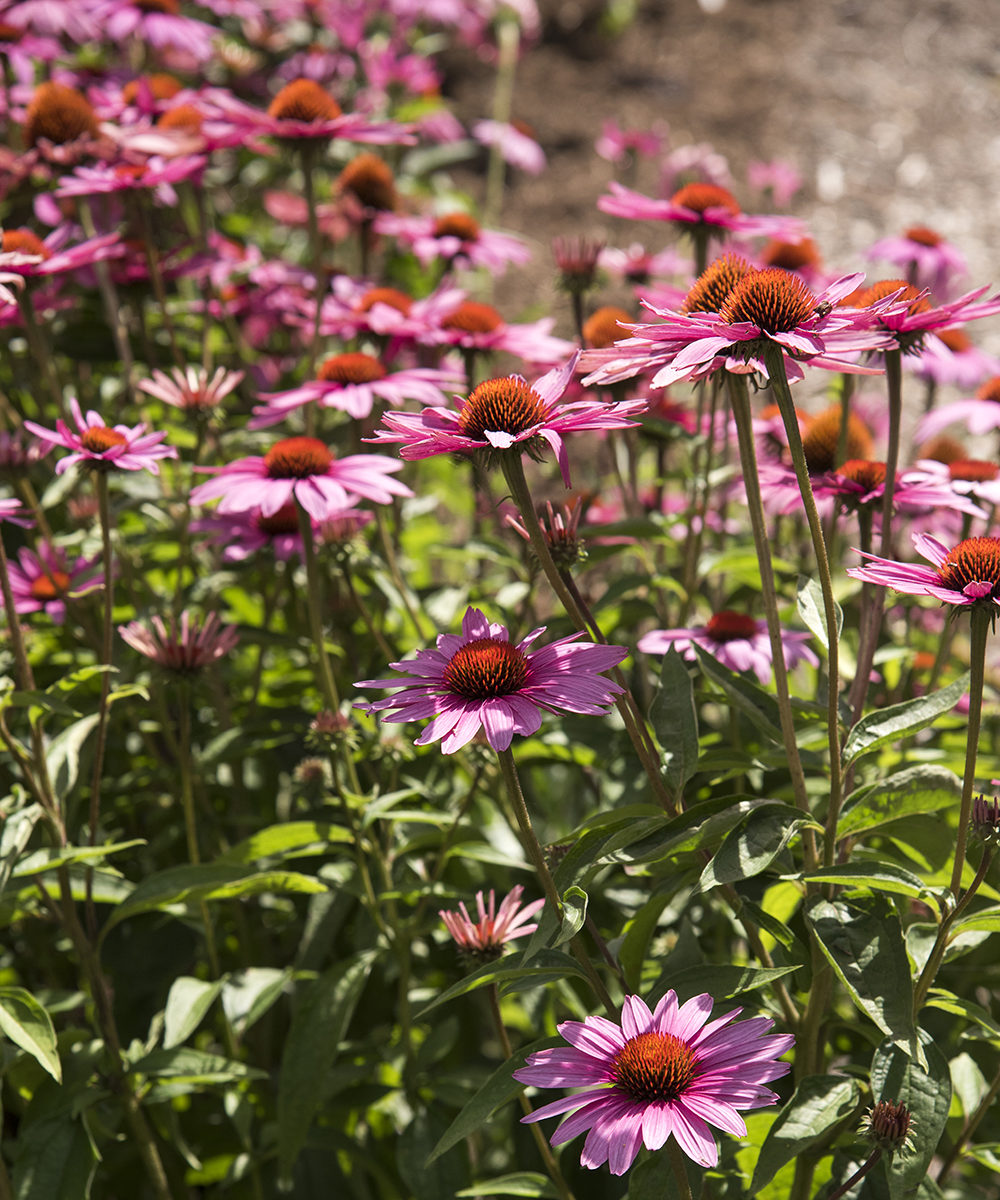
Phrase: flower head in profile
(193, 388)
(739, 641)
(485, 939)
(697, 207)
(669, 1071)
(507, 414)
(912, 315)
(302, 469)
(965, 574)
(926, 258)
(103, 447)
(185, 644)
(479, 679)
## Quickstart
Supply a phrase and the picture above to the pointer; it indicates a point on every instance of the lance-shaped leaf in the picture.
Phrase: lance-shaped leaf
(812, 610)
(924, 789)
(864, 945)
(902, 720)
(675, 722)
(26, 1023)
(753, 845)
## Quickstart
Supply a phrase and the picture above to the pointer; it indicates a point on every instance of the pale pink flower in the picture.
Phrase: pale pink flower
(924, 257)
(185, 645)
(10, 511)
(26, 254)
(740, 642)
(162, 25)
(669, 1071)
(480, 680)
(950, 358)
(156, 175)
(616, 144)
(517, 148)
(486, 938)
(777, 177)
(191, 388)
(454, 238)
(697, 206)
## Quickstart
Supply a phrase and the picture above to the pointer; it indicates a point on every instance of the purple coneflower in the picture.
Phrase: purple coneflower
(980, 413)
(453, 238)
(122, 447)
(42, 580)
(10, 511)
(507, 414)
(738, 641)
(480, 680)
(703, 207)
(670, 1071)
(302, 469)
(966, 574)
(485, 939)
(928, 260)
(185, 645)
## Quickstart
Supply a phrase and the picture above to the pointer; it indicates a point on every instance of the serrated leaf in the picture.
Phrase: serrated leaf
(812, 610)
(319, 1025)
(924, 789)
(750, 848)
(901, 720)
(26, 1023)
(499, 1089)
(926, 1093)
(675, 722)
(864, 945)
(879, 877)
(819, 1104)
(188, 1001)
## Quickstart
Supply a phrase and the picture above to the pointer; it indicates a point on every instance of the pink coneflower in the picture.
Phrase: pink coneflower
(191, 389)
(924, 256)
(305, 470)
(157, 175)
(637, 265)
(967, 573)
(472, 325)
(732, 329)
(479, 680)
(951, 358)
(352, 382)
(911, 316)
(122, 447)
(778, 177)
(42, 580)
(25, 253)
(738, 641)
(507, 414)
(185, 645)
(485, 939)
(670, 1071)
(159, 23)
(617, 144)
(980, 413)
(697, 206)
(977, 479)
(516, 145)
(304, 110)
(60, 120)
(10, 512)
(454, 238)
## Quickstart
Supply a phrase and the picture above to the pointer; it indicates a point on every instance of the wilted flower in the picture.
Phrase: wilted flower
(888, 1126)
(485, 939)
(986, 819)
(186, 645)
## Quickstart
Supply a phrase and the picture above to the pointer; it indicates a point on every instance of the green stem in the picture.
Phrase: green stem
(775, 362)
(679, 1168)
(508, 39)
(109, 298)
(982, 617)
(42, 356)
(971, 1125)
(513, 470)
(513, 787)
(860, 1173)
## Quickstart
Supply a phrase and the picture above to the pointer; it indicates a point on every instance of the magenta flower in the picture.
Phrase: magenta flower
(185, 645)
(507, 414)
(27, 254)
(670, 1071)
(43, 580)
(950, 358)
(617, 144)
(517, 148)
(911, 315)
(980, 413)
(923, 255)
(452, 238)
(160, 24)
(486, 938)
(698, 207)
(738, 641)
(10, 511)
(302, 469)
(777, 176)
(157, 175)
(123, 447)
(352, 382)
(479, 680)
(968, 573)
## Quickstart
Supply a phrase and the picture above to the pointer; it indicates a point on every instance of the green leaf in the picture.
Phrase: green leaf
(753, 701)
(879, 877)
(552, 964)
(960, 1007)
(277, 841)
(820, 1103)
(248, 994)
(26, 1023)
(750, 848)
(864, 945)
(55, 1160)
(499, 1089)
(812, 610)
(675, 722)
(188, 1001)
(926, 1093)
(14, 836)
(723, 980)
(183, 1065)
(521, 1183)
(574, 901)
(654, 1179)
(902, 720)
(63, 755)
(985, 919)
(923, 789)
(58, 856)
(638, 934)
(319, 1025)
(206, 881)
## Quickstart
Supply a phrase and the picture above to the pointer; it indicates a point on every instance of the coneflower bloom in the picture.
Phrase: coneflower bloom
(760, 309)
(912, 315)
(516, 145)
(156, 175)
(924, 256)
(860, 483)
(25, 253)
(352, 382)
(59, 119)
(454, 238)
(661, 1073)
(737, 640)
(979, 414)
(697, 206)
(240, 535)
(479, 679)
(185, 645)
(10, 511)
(965, 574)
(507, 414)
(951, 358)
(302, 469)
(159, 23)
(120, 447)
(486, 938)
(192, 388)
(42, 580)
(973, 478)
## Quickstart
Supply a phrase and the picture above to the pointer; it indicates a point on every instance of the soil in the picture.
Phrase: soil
(889, 108)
